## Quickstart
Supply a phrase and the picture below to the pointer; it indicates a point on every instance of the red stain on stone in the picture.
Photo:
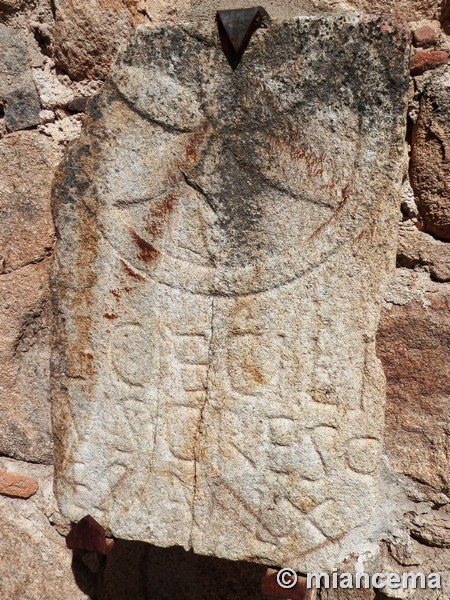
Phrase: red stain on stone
(88, 536)
(196, 142)
(148, 253)
(158, 212)
(130, 273)
(110, 316)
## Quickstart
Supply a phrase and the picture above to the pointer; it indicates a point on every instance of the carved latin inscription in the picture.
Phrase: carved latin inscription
(224, 239)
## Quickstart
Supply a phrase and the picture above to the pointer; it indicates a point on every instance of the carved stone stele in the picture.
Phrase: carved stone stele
(224, 241)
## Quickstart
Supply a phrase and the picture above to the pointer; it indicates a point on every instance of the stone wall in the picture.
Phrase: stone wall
(54, 55)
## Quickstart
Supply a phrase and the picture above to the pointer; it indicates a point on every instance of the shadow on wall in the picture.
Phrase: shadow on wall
(140, 571)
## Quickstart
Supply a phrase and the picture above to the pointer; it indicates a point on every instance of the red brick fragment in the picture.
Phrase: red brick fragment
(425, 36)
(427, 59)
(89, 536)
(17, 486)
(272, 589)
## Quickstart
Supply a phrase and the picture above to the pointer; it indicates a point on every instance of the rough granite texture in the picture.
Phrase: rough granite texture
(430, 160)
(224, 242)
(405, 9)
(34, 562)
(26, 244)
(18, 96)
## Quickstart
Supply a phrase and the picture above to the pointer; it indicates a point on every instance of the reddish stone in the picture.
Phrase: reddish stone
(414, 347)
(430, 164)
(425, 36)
(17, 486)
(272, 589)
(89, 536)
(427, 59)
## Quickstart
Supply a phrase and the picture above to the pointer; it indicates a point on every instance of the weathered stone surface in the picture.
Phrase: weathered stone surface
(24, 354)
(26, 241)
(18, 94)
(88, 34)
(224, 239)
(34, 560)
(17, 486)
(417, 249)
(27, 234)
(433, 528)
(282, 9)
(416, 557)
(414, 346)
(161, 11)
(430, 163)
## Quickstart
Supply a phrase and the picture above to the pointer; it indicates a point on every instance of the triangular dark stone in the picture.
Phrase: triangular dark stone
(236, 28)
(88, 536)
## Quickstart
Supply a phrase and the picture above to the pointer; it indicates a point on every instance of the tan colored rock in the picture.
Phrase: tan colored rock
(34, 561)
(17, 486)
(24, 355)
(417, 249)
(52, 92)
(413, 344)
(412, 10)
(425, 36)
(433, 528)
(222, 256)
(418, 558)
(430, 158)
(28, 162)
(161, 11)
(88, 34)
(26, 242)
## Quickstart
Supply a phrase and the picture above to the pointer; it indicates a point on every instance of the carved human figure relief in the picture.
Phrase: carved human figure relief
(224, 240)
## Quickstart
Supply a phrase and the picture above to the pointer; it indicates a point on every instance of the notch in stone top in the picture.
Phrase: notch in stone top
(236, 28)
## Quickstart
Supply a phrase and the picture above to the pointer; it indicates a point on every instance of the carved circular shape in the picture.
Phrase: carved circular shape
(132, 353)
(219, 205)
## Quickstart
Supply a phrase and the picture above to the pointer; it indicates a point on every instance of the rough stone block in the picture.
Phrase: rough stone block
(430, 164)
(224, 241)
(283, 9)
(18, 96)
(414, 346)
(88, 34)
(26, 242)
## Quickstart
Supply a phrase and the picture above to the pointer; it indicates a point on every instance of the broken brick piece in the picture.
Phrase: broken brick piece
(17, 486)
(89, 536)
(424, 60)
(425, 36)
(272, 589)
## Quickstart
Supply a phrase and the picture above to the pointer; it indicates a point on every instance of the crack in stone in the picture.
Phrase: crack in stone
(195, 186)
(201, 421)
(36, 261)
